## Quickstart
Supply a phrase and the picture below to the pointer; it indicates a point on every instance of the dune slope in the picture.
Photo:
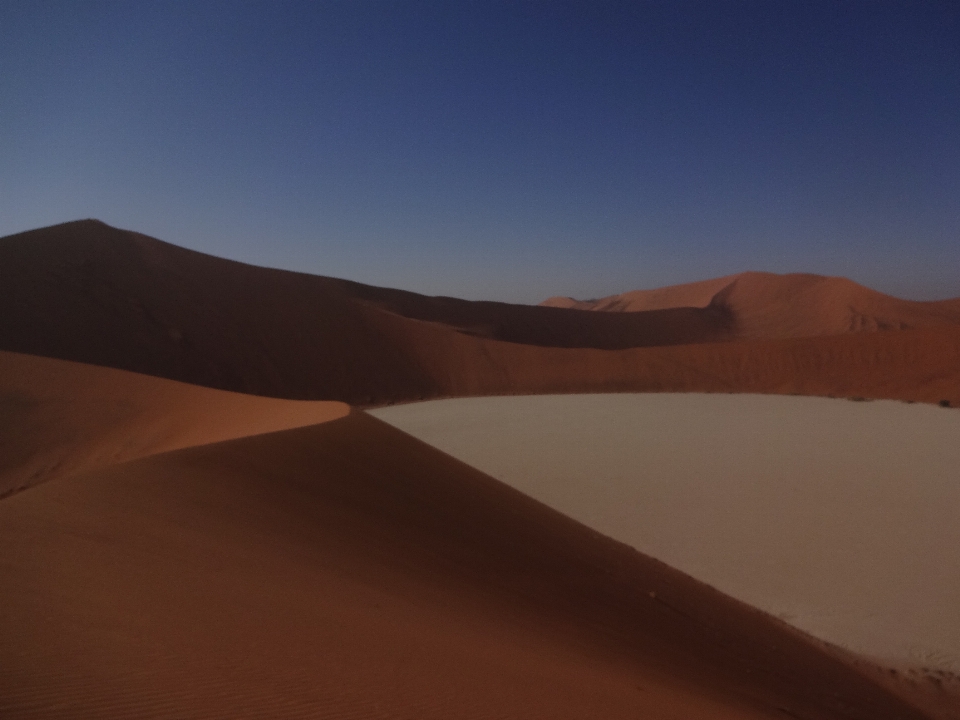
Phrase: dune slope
(348, 570)
(913, 365)
(87, 292)
(58, 418)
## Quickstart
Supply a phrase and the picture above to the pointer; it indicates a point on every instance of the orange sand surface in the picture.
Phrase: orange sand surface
(59, 418)
(345, 569)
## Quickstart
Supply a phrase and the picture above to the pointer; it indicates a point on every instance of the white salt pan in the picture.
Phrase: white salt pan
(842, 518)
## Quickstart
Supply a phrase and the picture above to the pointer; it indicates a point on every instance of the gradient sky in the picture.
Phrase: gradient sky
(498, 150)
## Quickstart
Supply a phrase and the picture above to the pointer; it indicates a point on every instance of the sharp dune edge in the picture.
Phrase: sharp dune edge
(192, 552)
(60, 418)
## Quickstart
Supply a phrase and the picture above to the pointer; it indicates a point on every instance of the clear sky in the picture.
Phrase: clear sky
(498, 150)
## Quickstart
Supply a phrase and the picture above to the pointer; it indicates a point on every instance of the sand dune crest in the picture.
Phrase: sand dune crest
(60, 418)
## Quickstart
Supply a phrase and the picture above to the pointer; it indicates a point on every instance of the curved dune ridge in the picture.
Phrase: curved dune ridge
(796, 305)
(87, 292)
(345, 569)
(60, 418)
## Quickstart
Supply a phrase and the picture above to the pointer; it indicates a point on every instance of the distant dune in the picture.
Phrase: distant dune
(838, 516)
(347, 570)
(765, 305)
(87, 292)
(695, 294)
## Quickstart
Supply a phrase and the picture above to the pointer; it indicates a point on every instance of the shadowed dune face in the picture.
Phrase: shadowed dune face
(550, 327)
(838, 516)
(346, 569)
(919, 365)
(91, 293)
(58, 418)
(87, 292)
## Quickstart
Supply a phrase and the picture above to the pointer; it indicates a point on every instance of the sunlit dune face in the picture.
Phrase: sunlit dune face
(60, 418)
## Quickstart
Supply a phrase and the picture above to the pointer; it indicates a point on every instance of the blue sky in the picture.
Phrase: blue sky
(498, 150)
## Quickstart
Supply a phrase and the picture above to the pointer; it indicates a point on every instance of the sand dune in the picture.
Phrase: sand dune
(198, 553)
(348, 570)
(87, 292)
(798, 305)
(60, 418)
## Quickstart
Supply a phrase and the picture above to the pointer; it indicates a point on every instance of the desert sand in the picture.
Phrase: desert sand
(87, 292)
(60, 418)
(345, 569)
(195, 523)
(838, 517)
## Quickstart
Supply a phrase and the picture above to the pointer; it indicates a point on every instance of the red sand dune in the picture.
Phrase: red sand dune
(345, 569)
(87, 292)
(798, 305)
(915, 365)
(60, 418)
(348, 570)
(178, 308)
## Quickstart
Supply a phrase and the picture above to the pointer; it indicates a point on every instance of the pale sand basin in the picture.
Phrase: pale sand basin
(842, 518)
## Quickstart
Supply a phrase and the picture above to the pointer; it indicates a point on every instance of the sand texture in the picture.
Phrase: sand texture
(837, 516)
(58, 418)
(87, 292)
(348, 570)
